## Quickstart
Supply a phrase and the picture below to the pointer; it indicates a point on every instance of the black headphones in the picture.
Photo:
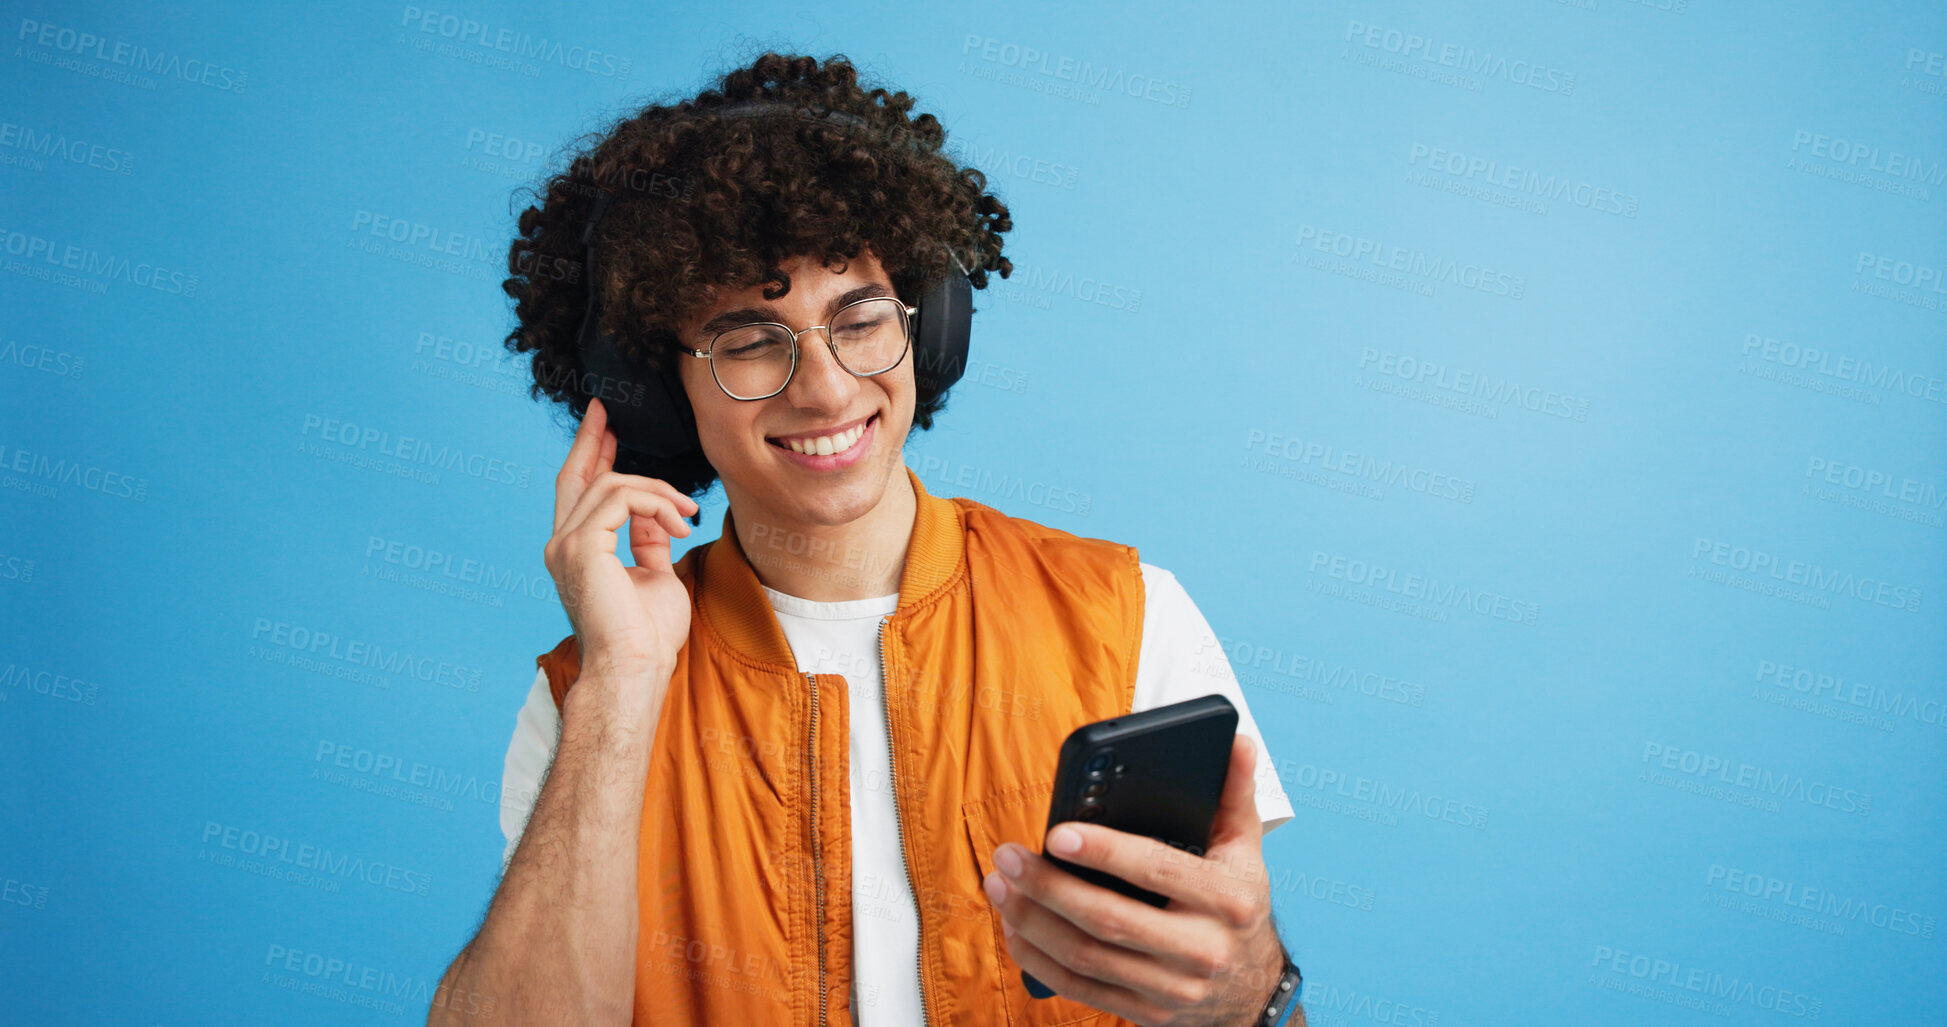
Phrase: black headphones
(654, 417)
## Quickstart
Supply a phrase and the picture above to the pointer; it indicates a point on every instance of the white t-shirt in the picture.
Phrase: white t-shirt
(1180, 659)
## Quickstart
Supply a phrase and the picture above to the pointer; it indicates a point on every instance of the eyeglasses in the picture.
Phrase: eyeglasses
(756, 361)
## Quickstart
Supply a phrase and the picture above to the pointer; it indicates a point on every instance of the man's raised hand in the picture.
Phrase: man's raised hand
(626, 619)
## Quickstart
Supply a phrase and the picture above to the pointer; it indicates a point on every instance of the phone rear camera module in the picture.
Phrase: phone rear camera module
(1099, 762)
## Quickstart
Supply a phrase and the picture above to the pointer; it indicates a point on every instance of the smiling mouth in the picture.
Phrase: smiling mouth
(825, 445)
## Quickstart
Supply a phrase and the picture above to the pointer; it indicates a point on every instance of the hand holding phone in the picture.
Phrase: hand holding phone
(1159, 773)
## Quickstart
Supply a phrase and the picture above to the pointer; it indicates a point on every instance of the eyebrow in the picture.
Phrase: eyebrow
(751, 315)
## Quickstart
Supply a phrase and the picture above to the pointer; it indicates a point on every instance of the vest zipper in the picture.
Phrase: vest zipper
(892, 783)
(817, 853)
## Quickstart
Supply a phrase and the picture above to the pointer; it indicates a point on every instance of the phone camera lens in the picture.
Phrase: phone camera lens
(1089, 812)
(1099, 762)
(1094, 789)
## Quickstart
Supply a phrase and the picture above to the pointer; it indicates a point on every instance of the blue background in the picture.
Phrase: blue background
(1200, 354)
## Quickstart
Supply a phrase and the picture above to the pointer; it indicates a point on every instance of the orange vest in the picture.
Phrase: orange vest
(1008, 635)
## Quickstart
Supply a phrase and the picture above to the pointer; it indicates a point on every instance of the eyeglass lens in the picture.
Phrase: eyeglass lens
(754, 361)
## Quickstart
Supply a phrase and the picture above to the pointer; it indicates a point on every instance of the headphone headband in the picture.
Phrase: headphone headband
(753, 108)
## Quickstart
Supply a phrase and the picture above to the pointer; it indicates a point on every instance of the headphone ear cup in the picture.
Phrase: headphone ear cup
(651, 415)
(945, 326)
(674, 422)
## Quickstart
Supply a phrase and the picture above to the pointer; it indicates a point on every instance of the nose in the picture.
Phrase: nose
(820, 382)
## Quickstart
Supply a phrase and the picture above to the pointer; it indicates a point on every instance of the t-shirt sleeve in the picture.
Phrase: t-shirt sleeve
(1180, 659)
(537, 730)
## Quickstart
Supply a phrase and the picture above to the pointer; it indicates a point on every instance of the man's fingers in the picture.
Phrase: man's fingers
(1225, 889)
(647, 534)
(683, 502)
(1237, 810)
(579, 468)
(607, 508)
(1080, 951)
(1073, 986)
(606, 461)
(1108, 915)
(608, 482)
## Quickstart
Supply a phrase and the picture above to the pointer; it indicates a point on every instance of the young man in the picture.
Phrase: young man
(800, 775)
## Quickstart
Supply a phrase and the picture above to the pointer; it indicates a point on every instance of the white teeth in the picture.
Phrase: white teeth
(826, 445)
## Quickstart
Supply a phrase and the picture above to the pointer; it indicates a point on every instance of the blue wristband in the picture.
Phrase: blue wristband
(1284, 998)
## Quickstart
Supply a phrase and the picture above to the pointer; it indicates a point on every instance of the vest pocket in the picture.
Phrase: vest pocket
(1018, 815)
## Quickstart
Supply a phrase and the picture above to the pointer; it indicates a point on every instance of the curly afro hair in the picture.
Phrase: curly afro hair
(704, 206)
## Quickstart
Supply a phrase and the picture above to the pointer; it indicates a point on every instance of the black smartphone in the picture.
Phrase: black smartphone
(1158, 773)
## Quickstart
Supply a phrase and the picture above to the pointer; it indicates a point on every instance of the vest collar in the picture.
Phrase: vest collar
(733, 602)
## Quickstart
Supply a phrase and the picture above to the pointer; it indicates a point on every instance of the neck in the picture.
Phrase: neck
(828, 563)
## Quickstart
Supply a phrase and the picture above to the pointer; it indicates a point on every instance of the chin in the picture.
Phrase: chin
(837, 500)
